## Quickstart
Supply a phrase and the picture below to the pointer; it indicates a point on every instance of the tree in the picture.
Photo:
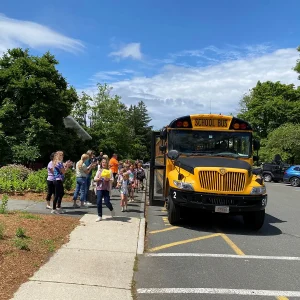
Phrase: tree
(81, 109)
(34, 99)
(269, 105)
(297, 67)
(285, 141)
(109, 126)
(141, 131)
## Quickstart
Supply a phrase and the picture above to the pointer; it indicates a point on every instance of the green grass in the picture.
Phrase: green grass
(2, 229)
(20, 233)
(21, 244)
(26, 215)
(50, 244)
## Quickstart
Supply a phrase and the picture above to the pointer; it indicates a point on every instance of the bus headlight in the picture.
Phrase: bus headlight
(258, 190)
(183, 185)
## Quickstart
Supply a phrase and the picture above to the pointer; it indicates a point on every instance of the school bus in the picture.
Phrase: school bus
(205, 162)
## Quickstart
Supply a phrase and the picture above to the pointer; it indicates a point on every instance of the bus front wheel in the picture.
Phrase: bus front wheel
(173, 212)
(254, 220)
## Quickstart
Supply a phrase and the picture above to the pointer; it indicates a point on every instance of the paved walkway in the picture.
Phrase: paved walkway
(97, 262)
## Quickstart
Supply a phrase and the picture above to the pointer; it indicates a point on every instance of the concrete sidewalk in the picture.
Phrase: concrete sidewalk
(97, 262)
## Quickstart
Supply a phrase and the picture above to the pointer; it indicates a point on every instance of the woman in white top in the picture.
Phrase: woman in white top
(81, 175)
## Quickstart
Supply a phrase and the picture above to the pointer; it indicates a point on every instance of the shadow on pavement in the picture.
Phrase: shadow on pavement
(199, 221)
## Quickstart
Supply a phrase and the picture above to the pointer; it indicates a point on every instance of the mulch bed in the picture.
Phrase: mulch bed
(44, 234)
(68, 197)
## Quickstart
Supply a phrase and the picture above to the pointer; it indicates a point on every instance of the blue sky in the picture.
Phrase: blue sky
(178, 57)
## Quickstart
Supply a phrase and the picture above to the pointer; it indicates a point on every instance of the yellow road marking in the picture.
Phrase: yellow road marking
(234, 247)
(184, 242)
(282, 298)
(163, 230)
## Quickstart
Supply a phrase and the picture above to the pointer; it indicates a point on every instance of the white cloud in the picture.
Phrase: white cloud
(132, 50)
(17, 33)
(177, 90)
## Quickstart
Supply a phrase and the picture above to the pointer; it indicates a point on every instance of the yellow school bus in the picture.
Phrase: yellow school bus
(205, 162)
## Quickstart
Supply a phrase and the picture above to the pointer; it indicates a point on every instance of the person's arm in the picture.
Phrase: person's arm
(97, 176)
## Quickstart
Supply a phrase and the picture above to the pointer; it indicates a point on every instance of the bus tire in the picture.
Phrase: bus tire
(173, 212)
(254, 220)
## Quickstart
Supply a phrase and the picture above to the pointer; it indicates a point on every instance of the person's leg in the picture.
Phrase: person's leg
(50, 190)
(99, 203)
(125, 201)
(56, 195)
(77, 189)
(88, 183)
(82, 190)
(108, 203)
(62, 192)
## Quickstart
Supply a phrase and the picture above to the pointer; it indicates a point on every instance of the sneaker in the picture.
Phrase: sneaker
(122, 208)
(113, 213)
(48, 207)
(99, 219)
(53, 211)
(88, 203)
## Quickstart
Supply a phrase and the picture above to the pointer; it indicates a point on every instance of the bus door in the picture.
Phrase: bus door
(157, 169)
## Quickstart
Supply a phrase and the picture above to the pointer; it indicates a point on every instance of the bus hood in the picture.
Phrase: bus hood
(190, 163)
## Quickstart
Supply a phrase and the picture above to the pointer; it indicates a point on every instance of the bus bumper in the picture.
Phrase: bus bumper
(209, 202)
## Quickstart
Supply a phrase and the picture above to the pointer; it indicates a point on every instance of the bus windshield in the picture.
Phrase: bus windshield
(216, 143)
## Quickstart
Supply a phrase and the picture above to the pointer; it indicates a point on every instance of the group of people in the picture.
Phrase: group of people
(110, 174)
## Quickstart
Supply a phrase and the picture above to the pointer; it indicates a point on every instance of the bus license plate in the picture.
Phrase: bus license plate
(222, 209)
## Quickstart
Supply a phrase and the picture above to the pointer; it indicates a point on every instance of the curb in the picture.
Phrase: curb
(141, 238)
(142, 227)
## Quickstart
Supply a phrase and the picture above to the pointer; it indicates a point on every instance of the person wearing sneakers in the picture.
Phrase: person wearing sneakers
(82, 172)
(50, 181)
(60, 169)
(104, 178)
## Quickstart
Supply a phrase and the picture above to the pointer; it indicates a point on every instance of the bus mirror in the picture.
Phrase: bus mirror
(256, 145)
(162, 148)
(163, 134)
(173, 154)
(255, 158)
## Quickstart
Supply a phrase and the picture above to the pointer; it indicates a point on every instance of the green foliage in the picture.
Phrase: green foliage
(21, 244)
(34, 99)
(297, 67)
(116, 128)
(269, 105)
(2, 230)
(285, 141)
(36, 181)
(20, 232)
(4, 204)
(15, 171)
(50, 245)
(26, 215)
(70, 180)
(16, 178)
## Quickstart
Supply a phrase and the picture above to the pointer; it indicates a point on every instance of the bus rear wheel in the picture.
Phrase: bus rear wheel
(173, 212)
(254, 220)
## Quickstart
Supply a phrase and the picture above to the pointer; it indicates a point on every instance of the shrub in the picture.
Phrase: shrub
(20, 232)
(15, 171)
(21, 244)
(4, 203)
(37, 181)
(70, 180)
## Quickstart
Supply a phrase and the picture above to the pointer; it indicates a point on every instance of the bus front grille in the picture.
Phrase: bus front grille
(229, 182)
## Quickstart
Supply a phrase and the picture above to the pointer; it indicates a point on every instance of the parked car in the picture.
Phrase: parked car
(292, 175)
(274, 170)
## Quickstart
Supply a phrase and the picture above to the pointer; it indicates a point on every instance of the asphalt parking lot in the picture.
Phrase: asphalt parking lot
(216, 257)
